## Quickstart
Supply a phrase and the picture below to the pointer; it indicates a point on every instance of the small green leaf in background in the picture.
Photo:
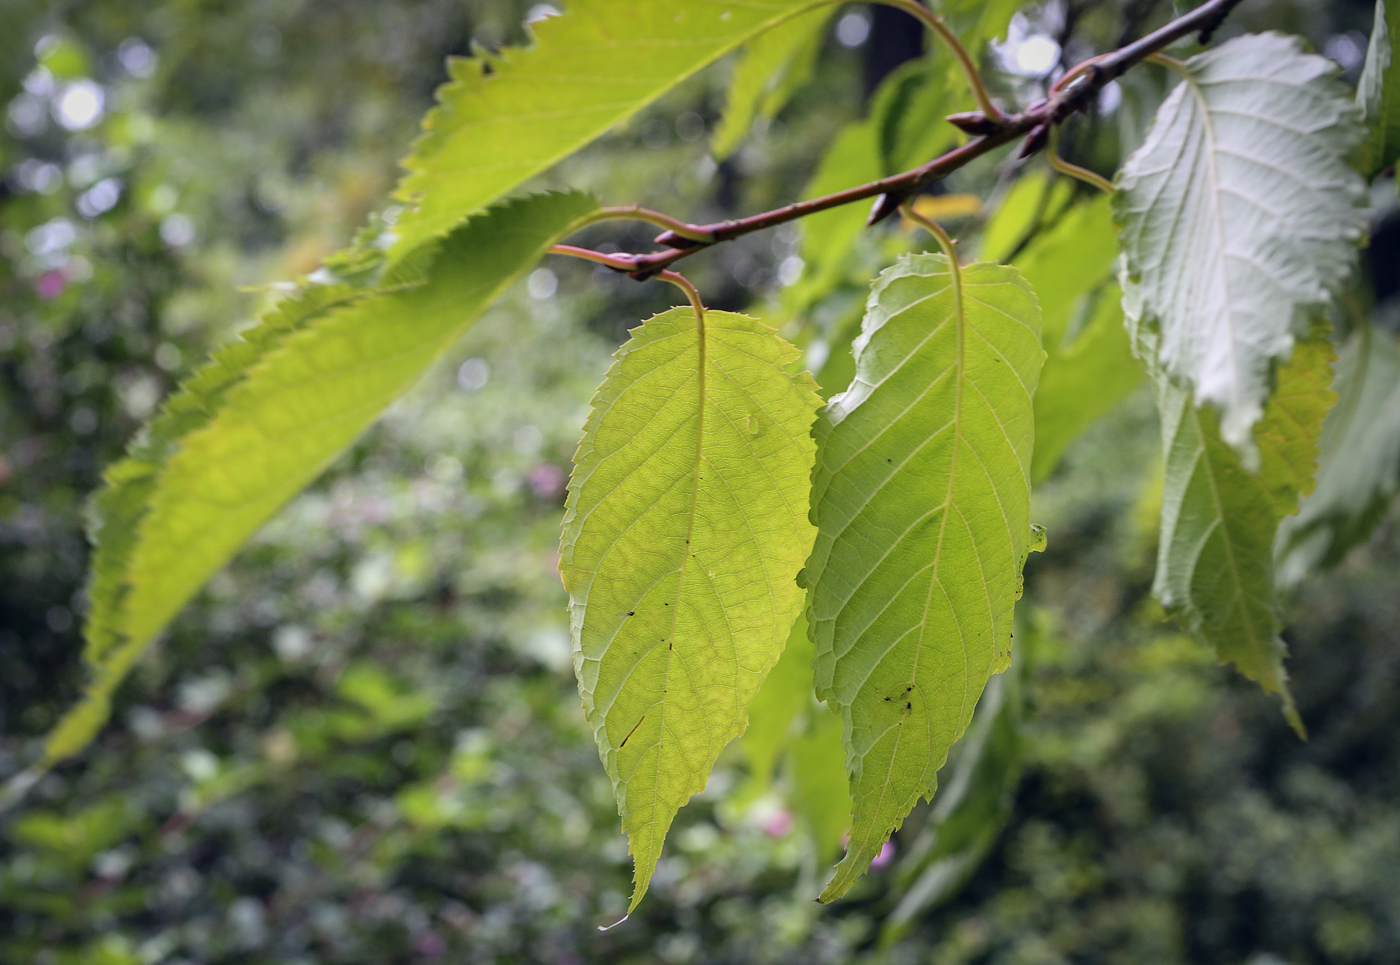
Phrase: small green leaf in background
(505, 117)
(1378, 92)
(1239, 214)
(778, 705)
(773, 67)
(904, 127)
(922, 500)
(1089, 363)
(685, 528)
(820, 796)
(1215, 567)
(1359, 466)
(261, 420)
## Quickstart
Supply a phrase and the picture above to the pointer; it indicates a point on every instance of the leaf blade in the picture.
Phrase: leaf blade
(502, 119)
(949, 411)
(219, 459)
(774, 65)
(658, 581)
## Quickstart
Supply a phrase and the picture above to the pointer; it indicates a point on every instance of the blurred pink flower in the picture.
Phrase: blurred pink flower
(547, 481)
(779, 824)
(50, 284)
(885, 856)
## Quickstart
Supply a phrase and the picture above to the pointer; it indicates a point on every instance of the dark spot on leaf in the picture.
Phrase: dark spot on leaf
(631, 613)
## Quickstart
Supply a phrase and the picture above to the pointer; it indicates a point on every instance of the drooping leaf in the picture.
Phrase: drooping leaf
(1378, 92)
(1215, 567)
(267, 414)
(921, 499)
(1359, 467)
(505, 117)
(1239, 215)
(685, 528)
(774, 66)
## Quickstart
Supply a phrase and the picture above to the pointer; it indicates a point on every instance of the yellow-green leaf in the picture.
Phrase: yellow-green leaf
(685, 528)
(505, 117)
(267, 414)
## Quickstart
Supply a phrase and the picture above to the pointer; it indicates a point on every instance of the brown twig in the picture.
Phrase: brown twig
(1073, 93)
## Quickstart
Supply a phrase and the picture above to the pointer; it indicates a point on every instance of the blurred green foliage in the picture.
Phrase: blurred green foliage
(363, 743)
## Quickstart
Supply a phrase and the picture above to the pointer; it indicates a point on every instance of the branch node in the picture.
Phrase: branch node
(975, 123)
(884, 206)
(673, 240)
(1035, 141)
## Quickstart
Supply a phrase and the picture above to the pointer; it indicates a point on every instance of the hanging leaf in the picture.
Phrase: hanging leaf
(505, 117)
(775, 65)
(1359, 470)
(921, 500)
(1239, 215)
(686, 526)
(1219, 519)
(267, 414)
(1378, 92)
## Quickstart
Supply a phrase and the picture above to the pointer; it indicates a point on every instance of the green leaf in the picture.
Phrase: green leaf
(267, 414)
(685, 528)
(1359, 470)
(921, 499)
(1378, 92)
(909, 109)
(774, 66)
(1215, 553)
(1239, 216)
(505, 117)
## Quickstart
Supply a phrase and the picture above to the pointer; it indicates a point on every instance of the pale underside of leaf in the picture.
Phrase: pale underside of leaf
(921, 498)
(685, 528)
(1239, 216)
(505, 117)
(262, 420)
